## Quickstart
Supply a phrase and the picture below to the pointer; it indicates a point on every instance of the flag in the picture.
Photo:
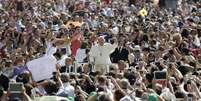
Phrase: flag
(143, 12)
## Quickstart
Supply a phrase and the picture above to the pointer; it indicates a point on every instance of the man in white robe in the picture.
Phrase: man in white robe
(100, 55)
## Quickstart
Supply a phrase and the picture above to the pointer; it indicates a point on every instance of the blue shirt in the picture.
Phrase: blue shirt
(19, 70)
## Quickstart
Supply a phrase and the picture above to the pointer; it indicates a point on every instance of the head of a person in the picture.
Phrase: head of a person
(102, 80)
(180, 96)
(51, 88)
(122, 65)
(104, 97)
(20, 60)
(124, 84)
(137, 50)
(139, 93)
(65, 77)
(188, 86)
(118, 94)
(69, 61)
(101, 40)
(8, 64)
(86, 68)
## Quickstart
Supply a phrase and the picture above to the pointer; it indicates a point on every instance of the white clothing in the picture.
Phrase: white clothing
(80, 55)
(115, 30)
(68, 49)
(126, 98)
(52, 98)
(101, 54)
(50, 49)
(167, 95)
(197, 41)
(62, 61)
(68, 89)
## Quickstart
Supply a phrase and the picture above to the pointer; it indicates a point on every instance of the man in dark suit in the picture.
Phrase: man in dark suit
(68, 66)
(120, 53)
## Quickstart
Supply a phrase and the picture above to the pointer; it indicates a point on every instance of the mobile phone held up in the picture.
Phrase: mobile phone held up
(160, 75)
(16, 90)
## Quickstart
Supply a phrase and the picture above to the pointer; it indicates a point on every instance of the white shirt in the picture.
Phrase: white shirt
(101, 54)
(68, 89)
(50, 49)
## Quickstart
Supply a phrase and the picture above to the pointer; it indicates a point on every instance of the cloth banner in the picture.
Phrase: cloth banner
(42, 68)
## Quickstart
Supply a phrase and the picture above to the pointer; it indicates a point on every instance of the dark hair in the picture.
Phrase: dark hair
(118, 94)
(65, 78)
(24, 78)
(131, 77)
(180, 95)
(57, 55)
(149, 77)
(51, 88)
(185, 33)
(139, 93)
(101, 79)
(185, 85)
(104, 97)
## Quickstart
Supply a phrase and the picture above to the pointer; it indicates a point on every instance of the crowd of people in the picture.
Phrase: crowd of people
(101, 50)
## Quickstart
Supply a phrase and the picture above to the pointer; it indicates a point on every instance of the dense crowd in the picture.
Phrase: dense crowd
(100, 50)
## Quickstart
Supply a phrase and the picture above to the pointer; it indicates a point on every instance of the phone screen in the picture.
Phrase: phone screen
(16, 87)
(160, 75)
(16, 90)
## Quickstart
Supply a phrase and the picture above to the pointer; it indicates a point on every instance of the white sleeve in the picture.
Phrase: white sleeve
(111, 47)
(50, 49)
(197, 41)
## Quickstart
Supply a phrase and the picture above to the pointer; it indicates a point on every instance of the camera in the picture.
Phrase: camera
(16, 90)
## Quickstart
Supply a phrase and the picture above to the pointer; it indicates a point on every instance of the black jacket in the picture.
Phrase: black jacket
(119, 55)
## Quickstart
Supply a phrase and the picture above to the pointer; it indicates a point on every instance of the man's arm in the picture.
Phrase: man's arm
(113, 45)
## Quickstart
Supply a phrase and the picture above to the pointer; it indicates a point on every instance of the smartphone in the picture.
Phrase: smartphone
(160, 75)
(16, 87)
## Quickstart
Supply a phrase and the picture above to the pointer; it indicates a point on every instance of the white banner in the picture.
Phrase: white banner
(42, 68)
